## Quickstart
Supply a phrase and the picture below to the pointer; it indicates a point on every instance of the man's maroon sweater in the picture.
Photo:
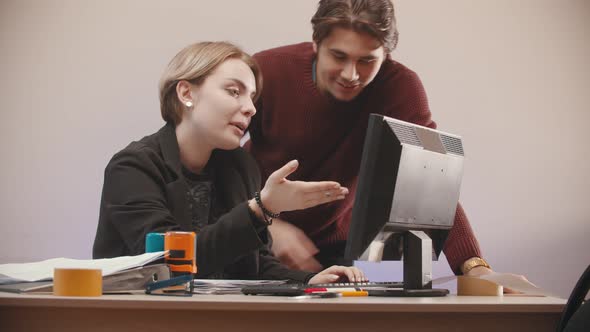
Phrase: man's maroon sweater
(295, 121)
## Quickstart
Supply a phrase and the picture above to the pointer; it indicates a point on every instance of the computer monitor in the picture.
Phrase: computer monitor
(406, 198)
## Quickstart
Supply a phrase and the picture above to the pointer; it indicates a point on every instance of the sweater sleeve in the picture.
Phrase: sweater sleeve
(461, 243)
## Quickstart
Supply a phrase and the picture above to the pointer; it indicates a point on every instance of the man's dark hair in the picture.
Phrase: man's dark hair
(374, 17)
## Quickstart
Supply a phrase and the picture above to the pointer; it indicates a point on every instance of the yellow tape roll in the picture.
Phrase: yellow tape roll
(77, 282)
(473, 286)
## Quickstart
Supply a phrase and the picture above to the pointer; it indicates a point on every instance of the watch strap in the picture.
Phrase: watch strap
(473, 262)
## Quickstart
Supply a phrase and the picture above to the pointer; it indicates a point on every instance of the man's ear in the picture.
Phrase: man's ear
(184, 92)
(315, 47)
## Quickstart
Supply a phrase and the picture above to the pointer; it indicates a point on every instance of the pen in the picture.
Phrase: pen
(345, 292)
(317, 295)
(332, 289)
(354, 293)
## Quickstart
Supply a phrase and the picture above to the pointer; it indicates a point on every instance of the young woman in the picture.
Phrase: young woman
(192, 175)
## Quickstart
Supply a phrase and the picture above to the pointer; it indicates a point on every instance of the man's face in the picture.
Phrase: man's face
(347, 61)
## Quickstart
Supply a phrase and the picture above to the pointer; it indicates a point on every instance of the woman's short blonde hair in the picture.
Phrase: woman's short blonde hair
(194, 64)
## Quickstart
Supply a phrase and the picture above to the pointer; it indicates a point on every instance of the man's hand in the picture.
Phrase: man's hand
(292, 247)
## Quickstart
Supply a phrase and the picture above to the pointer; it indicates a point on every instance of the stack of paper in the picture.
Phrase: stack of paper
(42, 271)
(224, 286)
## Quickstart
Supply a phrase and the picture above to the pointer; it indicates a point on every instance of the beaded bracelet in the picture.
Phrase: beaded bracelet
(266, 214)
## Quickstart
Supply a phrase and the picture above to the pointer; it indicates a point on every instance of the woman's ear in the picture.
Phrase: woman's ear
(184, 93)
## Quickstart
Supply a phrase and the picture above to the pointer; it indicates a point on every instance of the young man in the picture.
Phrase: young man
(315, 108)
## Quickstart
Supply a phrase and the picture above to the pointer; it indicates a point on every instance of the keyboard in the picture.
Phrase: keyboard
(368, 284)
(300, 289)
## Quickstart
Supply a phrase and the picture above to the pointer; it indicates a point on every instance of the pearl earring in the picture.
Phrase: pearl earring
(189, 104)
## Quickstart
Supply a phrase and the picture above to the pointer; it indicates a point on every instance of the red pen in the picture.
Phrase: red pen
(315, 290)
(332, 289)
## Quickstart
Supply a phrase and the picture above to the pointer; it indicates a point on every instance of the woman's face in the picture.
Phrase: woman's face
(223, 105)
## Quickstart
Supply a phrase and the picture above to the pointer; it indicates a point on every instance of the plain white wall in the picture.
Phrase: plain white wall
(79, 82)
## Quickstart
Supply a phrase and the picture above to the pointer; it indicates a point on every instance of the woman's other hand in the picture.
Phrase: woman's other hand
(336, 272)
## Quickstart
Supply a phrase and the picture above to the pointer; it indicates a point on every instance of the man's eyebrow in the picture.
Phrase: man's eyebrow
(341, 53)
(241, 84)
(337, 51)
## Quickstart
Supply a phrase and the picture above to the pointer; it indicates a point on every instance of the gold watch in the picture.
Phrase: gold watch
(472, 262)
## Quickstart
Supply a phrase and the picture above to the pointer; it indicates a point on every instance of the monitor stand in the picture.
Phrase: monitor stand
(417, 257)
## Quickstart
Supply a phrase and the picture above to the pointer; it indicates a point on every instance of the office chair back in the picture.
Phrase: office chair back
(576, 314)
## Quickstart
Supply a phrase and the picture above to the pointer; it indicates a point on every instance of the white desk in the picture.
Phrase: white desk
(263, 313)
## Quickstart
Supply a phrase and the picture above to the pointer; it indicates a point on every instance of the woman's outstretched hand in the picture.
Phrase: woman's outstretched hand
(280, 194)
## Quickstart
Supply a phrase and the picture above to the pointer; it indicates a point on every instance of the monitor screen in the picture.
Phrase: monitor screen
(409, 180)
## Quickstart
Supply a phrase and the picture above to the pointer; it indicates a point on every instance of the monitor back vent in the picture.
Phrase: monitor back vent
(452, 144)
(405, 134)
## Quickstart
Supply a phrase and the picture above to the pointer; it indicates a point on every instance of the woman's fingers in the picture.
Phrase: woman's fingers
(312, 187)
(360, 275)
(353, 274)
(324, 279)
(284, 171)
(325, 196)
(327, 193)
(357, 275)
(320, 192)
